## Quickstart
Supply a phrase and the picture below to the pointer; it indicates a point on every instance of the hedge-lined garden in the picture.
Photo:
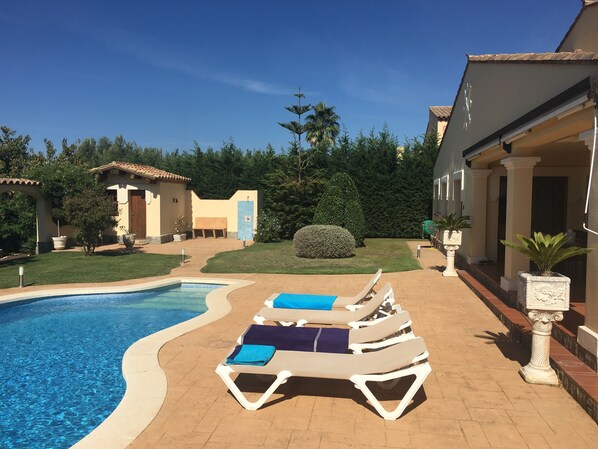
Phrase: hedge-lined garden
(394, 182)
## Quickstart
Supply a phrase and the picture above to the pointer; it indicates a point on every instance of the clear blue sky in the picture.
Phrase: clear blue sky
(167, 73)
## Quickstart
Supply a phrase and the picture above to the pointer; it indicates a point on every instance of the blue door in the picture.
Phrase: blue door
(245, 220)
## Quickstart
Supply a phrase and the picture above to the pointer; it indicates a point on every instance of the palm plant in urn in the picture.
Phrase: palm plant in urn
(545, 296)
(451, 226)
(544, 289)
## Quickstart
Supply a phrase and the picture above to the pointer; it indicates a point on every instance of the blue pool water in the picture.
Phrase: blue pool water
(61, 357)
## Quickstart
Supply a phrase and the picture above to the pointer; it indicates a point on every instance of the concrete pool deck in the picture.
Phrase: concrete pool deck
(473, 398)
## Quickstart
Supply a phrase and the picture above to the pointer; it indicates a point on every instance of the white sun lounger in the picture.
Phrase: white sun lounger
(347, 302)
(379, 307)
(389, 364)
(395, 329)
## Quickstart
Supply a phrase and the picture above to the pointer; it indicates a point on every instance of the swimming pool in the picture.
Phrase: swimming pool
(60, 375)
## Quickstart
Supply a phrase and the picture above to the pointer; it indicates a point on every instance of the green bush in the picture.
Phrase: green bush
(323, 242)
(340, 206)
(268, 228)
(91, 213)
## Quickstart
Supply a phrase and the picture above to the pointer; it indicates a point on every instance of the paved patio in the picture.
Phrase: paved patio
(474, 397)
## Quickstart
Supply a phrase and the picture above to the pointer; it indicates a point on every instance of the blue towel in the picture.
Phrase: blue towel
(301, 301)
(251, 355)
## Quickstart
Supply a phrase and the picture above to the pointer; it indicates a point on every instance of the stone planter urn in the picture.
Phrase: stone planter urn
(59, 242)
(451, 240)
(536, 292)
(179, 237)
(544, 299)
(129, 240)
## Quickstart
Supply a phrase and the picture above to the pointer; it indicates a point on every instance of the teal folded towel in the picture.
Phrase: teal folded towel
(303, 301)
(251, 355)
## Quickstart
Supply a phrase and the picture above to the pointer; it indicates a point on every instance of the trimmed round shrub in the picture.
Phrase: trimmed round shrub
(323, 242)
(340, 205)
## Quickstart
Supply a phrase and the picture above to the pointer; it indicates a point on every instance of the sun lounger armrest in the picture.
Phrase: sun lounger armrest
(359, 324)
(270, 301)
(353, 307)
(358, 348)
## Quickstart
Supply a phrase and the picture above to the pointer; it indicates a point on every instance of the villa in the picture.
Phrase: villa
(516, 156)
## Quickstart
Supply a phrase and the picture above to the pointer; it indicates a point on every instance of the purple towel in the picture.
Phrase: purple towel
(309, 339)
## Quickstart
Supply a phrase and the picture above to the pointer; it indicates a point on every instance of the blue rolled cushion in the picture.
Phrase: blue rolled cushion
(304, 301)
(251, 355)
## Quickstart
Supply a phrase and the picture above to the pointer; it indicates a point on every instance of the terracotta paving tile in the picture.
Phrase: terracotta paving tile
(256, 430)
(398, 438)
(443, 426)
(485, 399)
(522, 405)
(503, 436)
(529, 422)
(347, 439)
(184, 441)
(567, 440)
(535, 441)
(474, 434)
(278, 437)
(490, 415)
(333, 424)
(305, 439)
(430, 440)
(372, 433)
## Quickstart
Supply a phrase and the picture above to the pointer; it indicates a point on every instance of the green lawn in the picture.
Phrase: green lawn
(388, 254)
(69, 267)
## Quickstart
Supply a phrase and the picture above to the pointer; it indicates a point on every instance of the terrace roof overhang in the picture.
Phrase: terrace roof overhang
(579, 96)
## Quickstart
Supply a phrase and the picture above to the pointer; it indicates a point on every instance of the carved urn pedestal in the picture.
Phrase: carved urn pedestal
(544, 298)
(451, 240)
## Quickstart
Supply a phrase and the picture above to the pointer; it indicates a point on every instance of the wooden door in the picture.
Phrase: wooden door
(549, 204)
(137, 213)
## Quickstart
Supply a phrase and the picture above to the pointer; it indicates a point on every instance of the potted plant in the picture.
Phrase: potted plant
(128, 237)
(181, 226)
(544, 289)
(60, 240)
(451, 227)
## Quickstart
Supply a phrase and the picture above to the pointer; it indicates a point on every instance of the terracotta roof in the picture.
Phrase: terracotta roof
(569, 56)
(19, 182)
(144, 171)
(442, 112)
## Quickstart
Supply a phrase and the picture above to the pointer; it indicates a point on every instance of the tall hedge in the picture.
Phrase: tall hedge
(340, 206)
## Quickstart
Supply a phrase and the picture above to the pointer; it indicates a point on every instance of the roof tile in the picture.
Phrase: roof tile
(442, 112)
(145, 171)
(19, 182)
(569, 56)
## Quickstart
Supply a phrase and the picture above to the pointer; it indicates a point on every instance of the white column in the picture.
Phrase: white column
(587, 335)
(520, 173)
(478, 185)
(450, 261)
(538, 370)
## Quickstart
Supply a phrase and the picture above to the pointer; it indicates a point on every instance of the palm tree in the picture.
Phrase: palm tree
(322, 126)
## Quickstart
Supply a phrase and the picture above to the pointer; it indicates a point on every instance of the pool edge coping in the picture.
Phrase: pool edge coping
(146, 382)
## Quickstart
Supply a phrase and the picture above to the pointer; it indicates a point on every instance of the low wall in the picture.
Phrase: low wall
(222, 208)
